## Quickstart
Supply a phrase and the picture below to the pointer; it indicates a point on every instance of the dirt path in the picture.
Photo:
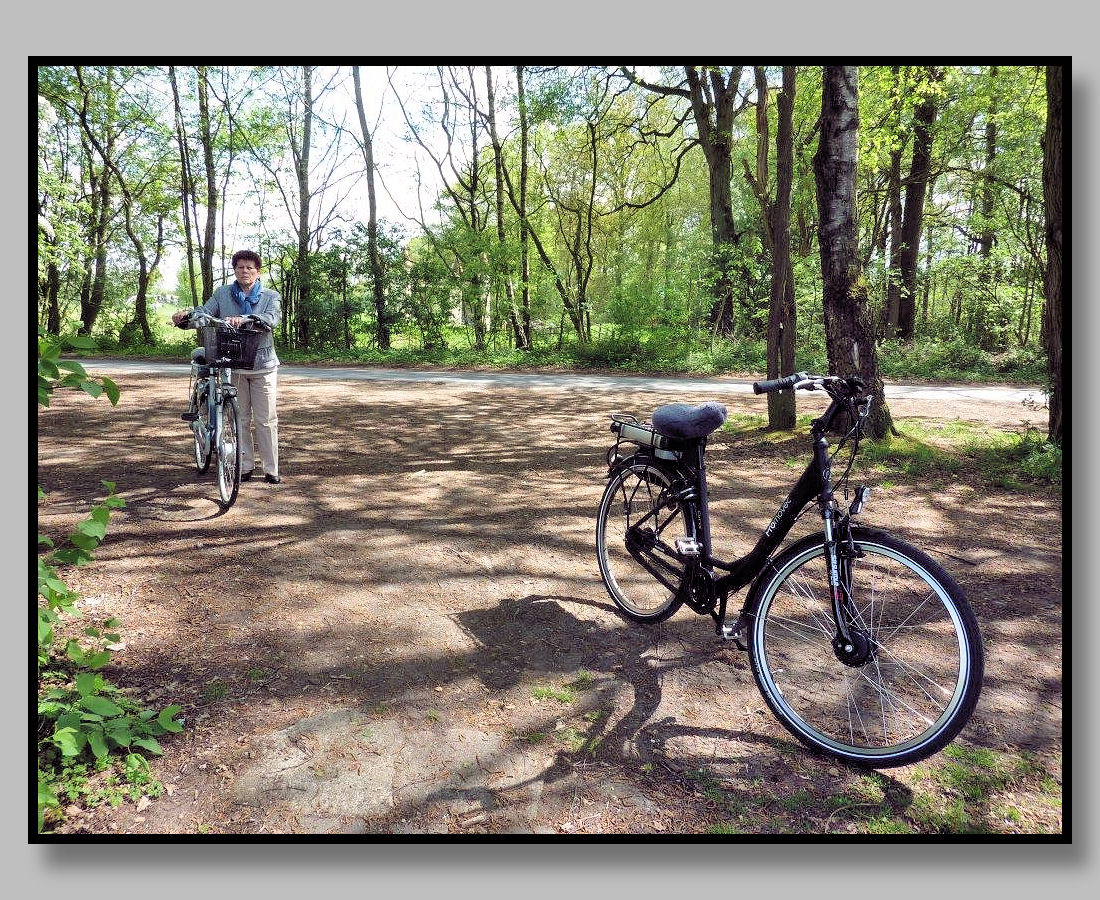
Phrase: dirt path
(410, 635)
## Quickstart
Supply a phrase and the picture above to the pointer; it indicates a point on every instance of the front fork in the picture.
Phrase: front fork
(851, 644)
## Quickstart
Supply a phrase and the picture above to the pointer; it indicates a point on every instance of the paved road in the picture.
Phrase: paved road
(996, 394)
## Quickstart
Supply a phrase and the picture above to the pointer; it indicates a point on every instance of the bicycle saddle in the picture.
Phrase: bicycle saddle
(685, 422)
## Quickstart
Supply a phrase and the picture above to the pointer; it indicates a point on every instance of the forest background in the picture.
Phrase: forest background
(580, 217)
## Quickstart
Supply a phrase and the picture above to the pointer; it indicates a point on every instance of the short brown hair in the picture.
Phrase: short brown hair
(250, 255)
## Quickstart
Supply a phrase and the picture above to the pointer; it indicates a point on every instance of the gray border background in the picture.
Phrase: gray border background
(603, 32)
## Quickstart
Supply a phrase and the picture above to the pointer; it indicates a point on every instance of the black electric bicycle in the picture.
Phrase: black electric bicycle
(213, 412)
(861, 645)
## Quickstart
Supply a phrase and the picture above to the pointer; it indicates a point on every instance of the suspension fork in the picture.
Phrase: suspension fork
(839, 552)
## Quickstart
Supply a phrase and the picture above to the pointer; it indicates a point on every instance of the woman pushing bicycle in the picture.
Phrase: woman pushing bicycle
(242, 302)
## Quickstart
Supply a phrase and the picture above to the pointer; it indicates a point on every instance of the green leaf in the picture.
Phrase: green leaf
(100, 705)
(69, 740)
(166, 719)
(112, 623)
(93, 388)
(87, 683)
(83, 541)
(93, 527)
(71, 557)
(97, 743)
(42, 539)
(97, 660)
(47, 369)
(72, 366)
(149, 744)
(111, 390)
(75, 652)
(45, 632)
(119, 732)
(81, 342)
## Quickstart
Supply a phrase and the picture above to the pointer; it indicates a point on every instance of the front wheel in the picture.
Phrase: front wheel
(914, 677)
(229, 452)
(637, 524)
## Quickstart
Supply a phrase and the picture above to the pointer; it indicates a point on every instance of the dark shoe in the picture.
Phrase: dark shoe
(246, 476)
(190, 417)
(272, 479)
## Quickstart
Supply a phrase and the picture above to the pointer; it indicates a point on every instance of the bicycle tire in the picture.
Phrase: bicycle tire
(201, 430)
(229, 451)
(920, 681)
(634, 492)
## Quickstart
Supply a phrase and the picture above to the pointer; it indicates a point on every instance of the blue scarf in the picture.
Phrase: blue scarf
(246, 300)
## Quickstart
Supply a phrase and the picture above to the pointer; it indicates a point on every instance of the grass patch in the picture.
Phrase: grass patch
(1012, 459)
(563, 695)
(215, 690)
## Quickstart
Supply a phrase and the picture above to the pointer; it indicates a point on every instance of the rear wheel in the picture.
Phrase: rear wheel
(909, 680)
(200, 429)
(637, 522)
(229, 452)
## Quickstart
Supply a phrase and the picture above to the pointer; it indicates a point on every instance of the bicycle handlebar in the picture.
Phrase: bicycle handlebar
(779, 384)
(185, 322)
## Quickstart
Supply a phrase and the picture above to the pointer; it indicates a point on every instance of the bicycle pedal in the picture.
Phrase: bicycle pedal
(734, 632)
(686, 546)
(190, 417)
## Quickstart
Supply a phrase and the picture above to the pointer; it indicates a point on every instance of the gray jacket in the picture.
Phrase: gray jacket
(267, 309)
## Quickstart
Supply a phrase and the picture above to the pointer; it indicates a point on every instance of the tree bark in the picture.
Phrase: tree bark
(777, 235)
(207, 248)
(781, 306)
(849, 337)
(521, 209)
(915, 190)
(186, 187)
(301, 167)
(1052, 284)
(893, 192)
(382, 328)
(502, 261)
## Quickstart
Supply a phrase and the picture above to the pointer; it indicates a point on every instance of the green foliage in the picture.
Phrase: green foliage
(80, 714)
(54, 372)
(1015, 459)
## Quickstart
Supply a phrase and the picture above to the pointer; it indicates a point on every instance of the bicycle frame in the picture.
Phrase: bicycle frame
(815, 484)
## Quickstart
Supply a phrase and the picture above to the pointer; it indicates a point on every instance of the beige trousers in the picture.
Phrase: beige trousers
(256, 395)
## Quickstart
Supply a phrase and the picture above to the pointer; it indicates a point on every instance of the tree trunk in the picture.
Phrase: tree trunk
(186, 187)
(893, 190)
(781, 307)
(301, 164)
(1052, 286)
(502, 262)
(713, 106)
(91, 302)
(912, 222)
(207, 249)
(51, 292)
(849, 337)
(524, 250)
(777, 235)
(382, 328)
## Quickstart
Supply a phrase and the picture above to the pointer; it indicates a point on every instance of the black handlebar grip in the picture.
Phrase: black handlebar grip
(777, 384)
